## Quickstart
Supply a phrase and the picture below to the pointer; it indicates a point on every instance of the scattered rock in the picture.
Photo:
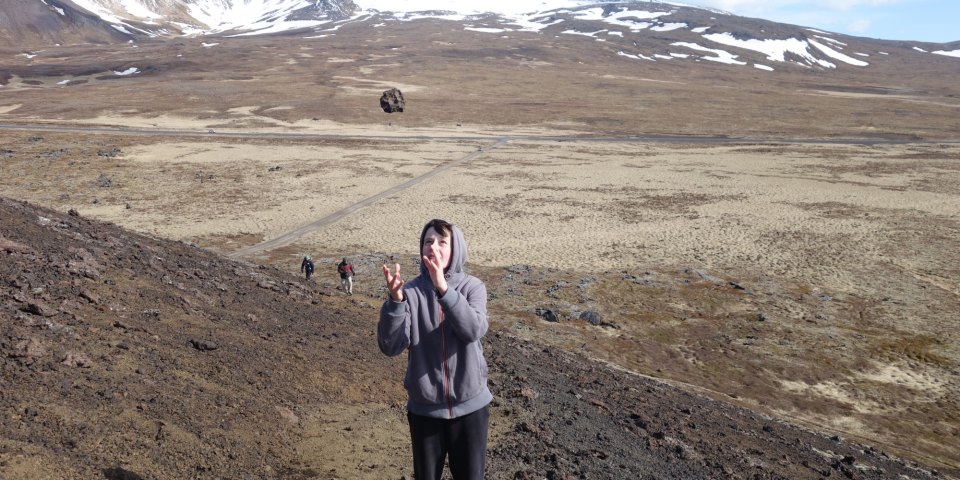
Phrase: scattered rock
(10, 246)
(118, 473)
(547, 314)
(104, 181)
(28, 350)
(112, 152)
(592, 317)
(519, 269)
(75, 359)
(287, 415)
(37, 307)
(702, 275)
(204, 345)
(90, 297)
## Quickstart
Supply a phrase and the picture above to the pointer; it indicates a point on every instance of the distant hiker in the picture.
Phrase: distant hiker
(345, 269)
(438, 318)
(306, 266)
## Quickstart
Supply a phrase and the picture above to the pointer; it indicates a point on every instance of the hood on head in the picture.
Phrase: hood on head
(458, 253)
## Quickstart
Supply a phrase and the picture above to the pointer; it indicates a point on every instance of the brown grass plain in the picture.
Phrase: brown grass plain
(783, 267)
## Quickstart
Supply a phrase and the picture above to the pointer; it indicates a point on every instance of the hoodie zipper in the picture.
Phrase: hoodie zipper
(443, 361)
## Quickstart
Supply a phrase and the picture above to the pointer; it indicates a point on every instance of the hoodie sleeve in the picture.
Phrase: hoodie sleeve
(393, 331)
(467, 310)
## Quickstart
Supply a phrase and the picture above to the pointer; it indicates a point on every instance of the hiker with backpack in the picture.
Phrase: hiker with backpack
(438, 318)
(345, 269)
(306, 266)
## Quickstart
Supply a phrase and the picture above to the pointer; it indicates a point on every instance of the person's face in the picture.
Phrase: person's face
(436, 246)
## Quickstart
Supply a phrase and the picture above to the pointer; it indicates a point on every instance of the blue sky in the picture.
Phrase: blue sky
(921, 20)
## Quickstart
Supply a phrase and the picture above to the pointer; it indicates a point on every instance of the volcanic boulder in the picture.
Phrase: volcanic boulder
(392, 101)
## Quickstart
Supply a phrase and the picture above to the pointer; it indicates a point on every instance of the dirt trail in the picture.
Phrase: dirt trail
(295, 234)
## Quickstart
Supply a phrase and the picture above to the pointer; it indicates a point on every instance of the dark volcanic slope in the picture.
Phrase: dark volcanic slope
(31, 23)
(128, 357)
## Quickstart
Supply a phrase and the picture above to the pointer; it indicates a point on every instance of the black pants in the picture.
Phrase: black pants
(463, 438)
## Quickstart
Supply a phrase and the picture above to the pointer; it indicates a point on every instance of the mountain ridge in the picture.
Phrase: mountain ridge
(642, 31)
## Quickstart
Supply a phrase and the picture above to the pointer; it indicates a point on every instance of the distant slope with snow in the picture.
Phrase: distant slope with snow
(656, 31)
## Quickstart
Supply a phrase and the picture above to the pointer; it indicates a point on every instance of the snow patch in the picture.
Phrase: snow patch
(837, 55)
(666, 27)
(721, 56)
(635, 57)
(775, 50)
(950, 53)
(585, 34)
(129, 71)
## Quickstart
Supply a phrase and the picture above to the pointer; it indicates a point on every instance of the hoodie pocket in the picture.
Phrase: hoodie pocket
(424, 387)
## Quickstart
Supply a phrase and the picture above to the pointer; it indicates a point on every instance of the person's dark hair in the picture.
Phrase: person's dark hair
(442, 227)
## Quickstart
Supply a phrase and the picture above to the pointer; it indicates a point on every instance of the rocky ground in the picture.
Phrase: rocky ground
(127, 357)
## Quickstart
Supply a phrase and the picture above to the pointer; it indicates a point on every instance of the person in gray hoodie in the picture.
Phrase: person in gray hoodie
(438, 318)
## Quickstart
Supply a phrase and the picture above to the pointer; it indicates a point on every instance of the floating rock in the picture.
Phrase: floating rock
(73, 212)
(392, 101)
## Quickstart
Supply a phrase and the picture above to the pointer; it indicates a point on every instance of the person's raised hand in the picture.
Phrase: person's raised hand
(394, 283)
(436, 273)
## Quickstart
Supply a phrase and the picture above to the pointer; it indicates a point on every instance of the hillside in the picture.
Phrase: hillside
(129, 357)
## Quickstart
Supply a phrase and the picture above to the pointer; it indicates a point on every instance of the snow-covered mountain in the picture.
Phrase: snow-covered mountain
(166, 18)
(653, 31)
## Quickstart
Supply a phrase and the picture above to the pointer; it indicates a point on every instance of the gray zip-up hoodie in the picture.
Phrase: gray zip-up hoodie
(446, 369)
